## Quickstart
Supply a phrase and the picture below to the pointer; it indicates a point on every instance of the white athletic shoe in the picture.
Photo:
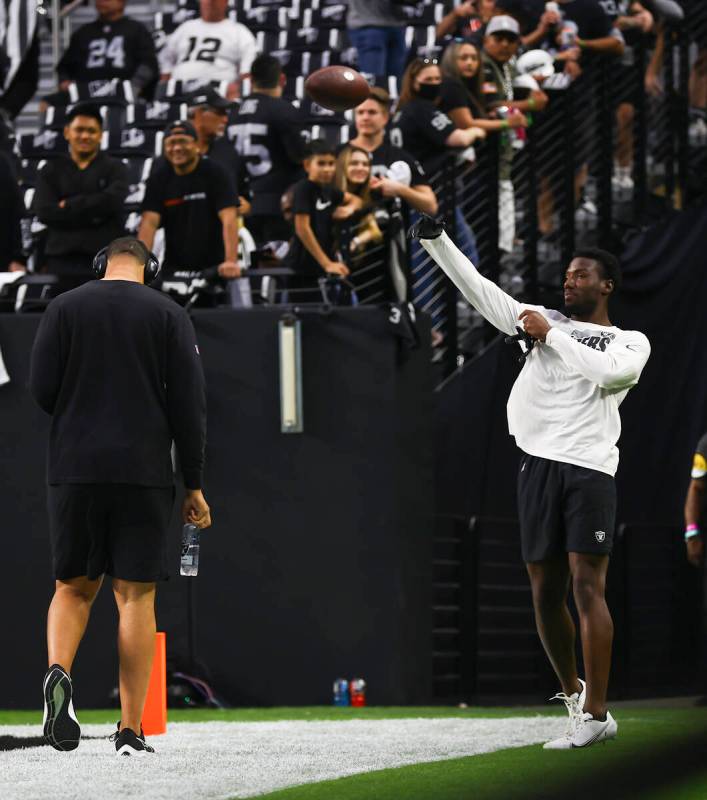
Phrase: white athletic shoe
(575, 706)
(588, 731)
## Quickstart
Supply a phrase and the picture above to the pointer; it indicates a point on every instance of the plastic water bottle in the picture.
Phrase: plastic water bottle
(190, 550)
(357, 690)
(341, 692)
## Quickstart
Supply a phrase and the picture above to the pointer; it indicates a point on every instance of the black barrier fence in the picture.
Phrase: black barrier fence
(484, 635)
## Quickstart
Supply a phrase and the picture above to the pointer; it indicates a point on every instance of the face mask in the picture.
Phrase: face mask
(429, 91)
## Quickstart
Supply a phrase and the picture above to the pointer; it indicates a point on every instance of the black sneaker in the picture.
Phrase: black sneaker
(61, 728)
(426, 228)
(128, 743)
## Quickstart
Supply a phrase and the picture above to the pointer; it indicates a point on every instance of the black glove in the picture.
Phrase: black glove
(426, 228)
(524, 337)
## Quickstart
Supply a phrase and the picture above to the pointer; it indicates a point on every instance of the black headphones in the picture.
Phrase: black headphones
(152, 265)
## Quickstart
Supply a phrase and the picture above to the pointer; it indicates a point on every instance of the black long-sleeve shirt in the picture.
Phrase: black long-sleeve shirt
(102, 50)
(117, 366)
(94, 213)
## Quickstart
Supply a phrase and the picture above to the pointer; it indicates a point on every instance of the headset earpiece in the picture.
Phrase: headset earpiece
(152, 265)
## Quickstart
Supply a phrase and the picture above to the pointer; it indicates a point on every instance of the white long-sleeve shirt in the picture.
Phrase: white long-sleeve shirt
(213, 51)
(564, 405)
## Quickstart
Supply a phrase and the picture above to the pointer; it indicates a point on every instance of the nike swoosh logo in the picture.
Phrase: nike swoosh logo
(321, 206)
(632, 347)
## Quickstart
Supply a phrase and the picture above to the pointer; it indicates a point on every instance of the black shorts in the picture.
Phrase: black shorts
(115, 529)
(564, 508)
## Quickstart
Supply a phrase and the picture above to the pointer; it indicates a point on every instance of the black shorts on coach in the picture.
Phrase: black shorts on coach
(114, 529)
(564, 508)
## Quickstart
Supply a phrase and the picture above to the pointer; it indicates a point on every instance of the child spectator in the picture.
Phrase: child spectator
(316, 204)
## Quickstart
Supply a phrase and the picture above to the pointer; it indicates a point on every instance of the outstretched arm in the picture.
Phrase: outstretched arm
(500, 309)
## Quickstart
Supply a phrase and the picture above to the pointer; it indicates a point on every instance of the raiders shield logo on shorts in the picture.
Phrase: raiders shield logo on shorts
(600, 535)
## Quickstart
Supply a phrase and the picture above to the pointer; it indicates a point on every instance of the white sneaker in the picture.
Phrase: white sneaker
(588, 731)
(575, 707)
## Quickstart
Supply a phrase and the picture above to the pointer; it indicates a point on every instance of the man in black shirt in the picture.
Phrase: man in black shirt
(80, 199)
(113, 46)
(396, 174)
(117, 366)
(193, 199)
(208, 113)
(400, 180)
(267, 133)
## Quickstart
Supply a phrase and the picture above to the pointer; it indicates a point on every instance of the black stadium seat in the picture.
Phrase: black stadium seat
(179, 90)
(427, 14)
(134, 142)
(46, 144)
(311, 39)
(333, 16)
(266, 18)
(110, 92)
(156, 114)
(29, 168)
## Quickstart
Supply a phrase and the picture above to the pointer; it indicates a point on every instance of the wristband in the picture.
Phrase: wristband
(505, 124)
(692, 530)
(531, 103)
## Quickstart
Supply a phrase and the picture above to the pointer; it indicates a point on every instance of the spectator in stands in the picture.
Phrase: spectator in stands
(467, 20)
(80, 199)
(399, 178)
(193, 199)
(376, 29)
(634, 22)
(208, 113)
(500, 47)
(210, 48)
(419, 126)
(461, 96)
(590, 36)
(388, 162)
(112, 46)
(360, 236)
(316, 204)
(12, 258)
(353, 175)
(267, 133)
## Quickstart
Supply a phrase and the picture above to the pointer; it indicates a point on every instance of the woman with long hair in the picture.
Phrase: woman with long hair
(461, 97)
(419, 126)
(360, 237)
(353, 175)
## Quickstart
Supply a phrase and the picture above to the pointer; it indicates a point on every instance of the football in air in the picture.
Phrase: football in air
(337, 88)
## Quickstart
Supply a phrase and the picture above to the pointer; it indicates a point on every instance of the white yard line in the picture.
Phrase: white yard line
(219, 760)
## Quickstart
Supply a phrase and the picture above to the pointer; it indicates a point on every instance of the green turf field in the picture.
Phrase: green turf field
(498, 775)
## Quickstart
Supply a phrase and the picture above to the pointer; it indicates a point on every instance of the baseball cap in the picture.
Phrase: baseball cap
(182, 127)
(503, 24)
(209, 97)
